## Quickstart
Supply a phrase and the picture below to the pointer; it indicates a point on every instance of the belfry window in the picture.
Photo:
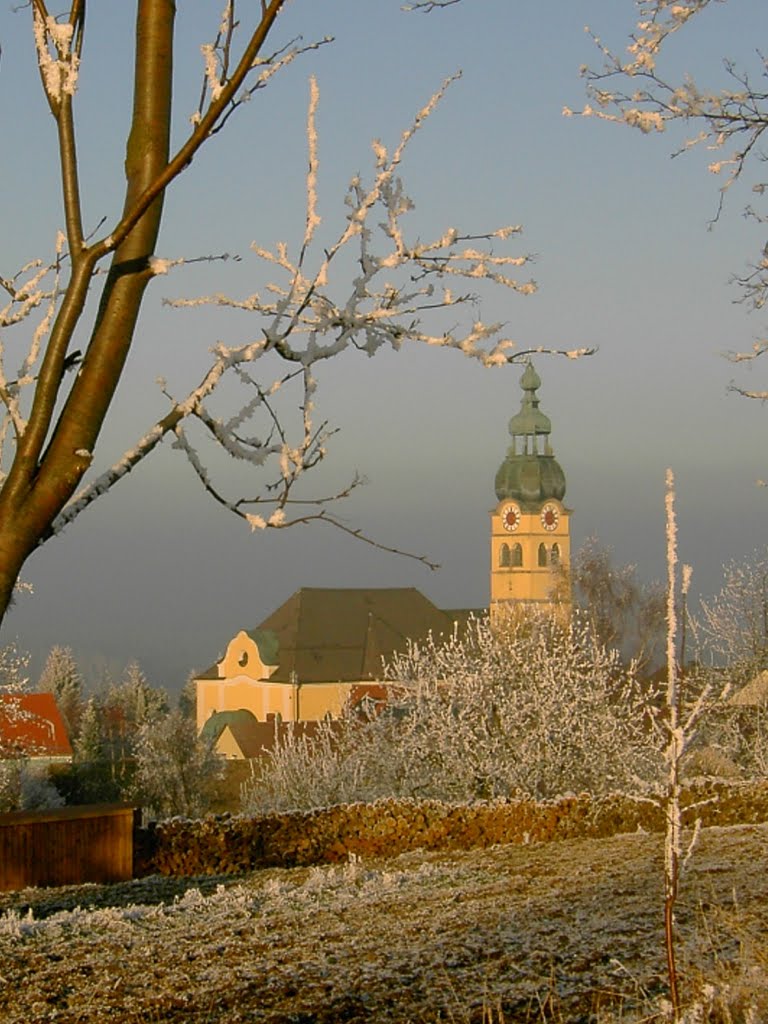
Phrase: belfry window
(543, 560)
(504, 556)
(517, 555)
(555, 555)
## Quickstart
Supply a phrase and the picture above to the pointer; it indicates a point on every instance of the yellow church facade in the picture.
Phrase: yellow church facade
(242, 679)
(322, 649)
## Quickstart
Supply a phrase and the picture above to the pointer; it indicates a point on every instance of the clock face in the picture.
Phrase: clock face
(550, 516)
(510, 517)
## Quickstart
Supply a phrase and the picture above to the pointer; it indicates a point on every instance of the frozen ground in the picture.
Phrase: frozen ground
(571, 926)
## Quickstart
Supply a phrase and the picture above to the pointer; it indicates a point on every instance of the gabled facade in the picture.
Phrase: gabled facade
(238, 735)
(322, 648)
(32, 726)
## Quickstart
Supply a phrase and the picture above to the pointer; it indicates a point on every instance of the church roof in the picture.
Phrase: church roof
(336, 635)
(527, 474)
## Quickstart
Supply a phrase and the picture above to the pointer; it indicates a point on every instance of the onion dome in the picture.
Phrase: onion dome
(530, 474)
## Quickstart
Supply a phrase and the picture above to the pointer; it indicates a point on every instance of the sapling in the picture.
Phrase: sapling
(681, 725)
(674, 750)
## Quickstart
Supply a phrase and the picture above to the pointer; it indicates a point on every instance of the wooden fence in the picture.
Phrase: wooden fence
(92, 843)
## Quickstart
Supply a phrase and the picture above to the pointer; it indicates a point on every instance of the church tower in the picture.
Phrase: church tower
(530, 531)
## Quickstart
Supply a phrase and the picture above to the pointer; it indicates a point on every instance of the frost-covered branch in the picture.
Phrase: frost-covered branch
(217, 57)
(34, 287)
(761, 396)
(309, 312)
(429, 5)
(80, 308)
(638, 88)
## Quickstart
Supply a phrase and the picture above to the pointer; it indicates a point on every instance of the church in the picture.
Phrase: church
(323, 648)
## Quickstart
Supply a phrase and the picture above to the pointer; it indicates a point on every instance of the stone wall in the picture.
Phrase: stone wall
(225, 844)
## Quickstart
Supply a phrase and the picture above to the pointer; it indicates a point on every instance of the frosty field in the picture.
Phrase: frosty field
(550, 932)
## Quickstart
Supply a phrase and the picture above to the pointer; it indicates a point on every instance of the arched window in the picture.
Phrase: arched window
(555, 555)
(543, 554)
(517, 555)
(504, 556)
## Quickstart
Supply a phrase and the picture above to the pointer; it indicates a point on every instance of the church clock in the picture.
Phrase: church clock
(550, 516)
(510, 517)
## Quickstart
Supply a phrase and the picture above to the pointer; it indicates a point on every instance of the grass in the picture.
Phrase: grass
(540, 934)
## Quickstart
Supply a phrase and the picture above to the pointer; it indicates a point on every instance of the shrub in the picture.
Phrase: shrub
(534, 707)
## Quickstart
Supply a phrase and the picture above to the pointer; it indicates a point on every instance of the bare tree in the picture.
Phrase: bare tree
(623, 613)
(52, 418)
(637, 88)
(175, 768)
(734, 624)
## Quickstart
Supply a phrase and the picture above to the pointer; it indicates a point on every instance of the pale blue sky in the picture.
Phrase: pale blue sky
(626, 262)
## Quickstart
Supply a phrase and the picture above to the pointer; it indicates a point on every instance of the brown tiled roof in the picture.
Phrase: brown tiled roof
(209, 673)
(338, 635)
(31, 724)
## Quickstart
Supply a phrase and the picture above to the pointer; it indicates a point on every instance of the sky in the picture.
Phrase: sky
(626, 261)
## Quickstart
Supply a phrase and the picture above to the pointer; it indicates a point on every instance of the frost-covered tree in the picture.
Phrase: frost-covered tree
(77, 308)
(175, 768)
(89, 745)
(734, 624)
(13, 682)
(61, 677)
(141, 702)
(97, 774)
(622, 612)
(733, 633)
(26, 787)
(645, 87)
(22, 786)
(188, 698)
(126, 708)
(538, 709)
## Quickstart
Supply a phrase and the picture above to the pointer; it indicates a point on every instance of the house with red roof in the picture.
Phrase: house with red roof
(32, 726)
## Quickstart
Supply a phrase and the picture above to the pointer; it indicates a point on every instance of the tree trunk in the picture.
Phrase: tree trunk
(41, 482)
